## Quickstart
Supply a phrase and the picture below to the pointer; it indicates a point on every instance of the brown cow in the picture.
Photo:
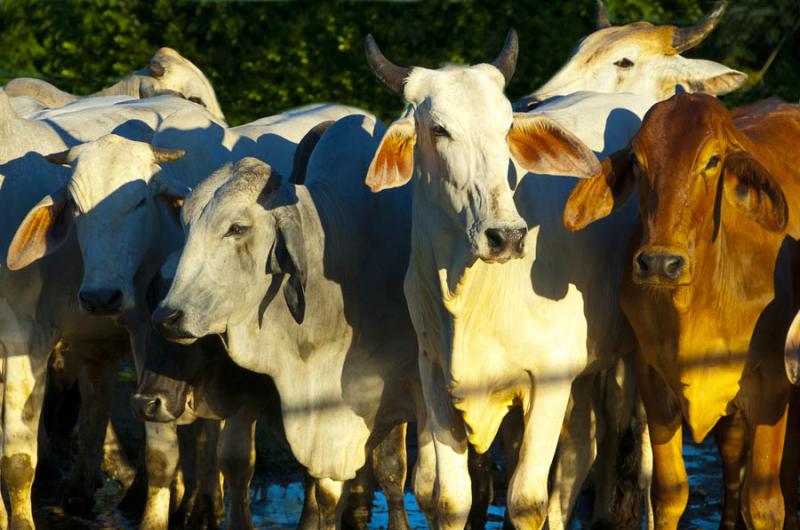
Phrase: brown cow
(708, 287)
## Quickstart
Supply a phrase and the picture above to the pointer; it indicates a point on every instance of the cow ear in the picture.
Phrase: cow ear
(597, 197)
(709, 77)
(750, 188)
(393, 163)
(288, 256)
(42, 232)
(541, 145)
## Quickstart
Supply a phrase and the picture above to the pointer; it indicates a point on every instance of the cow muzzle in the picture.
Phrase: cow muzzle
(151, 407)
(661, 266)
(502, 244)
(169, 322)
(101, 301)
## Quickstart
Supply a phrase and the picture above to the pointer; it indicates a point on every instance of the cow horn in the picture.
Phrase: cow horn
(167, 155)
(686, 38)
(506, 61)
(388, 73)
(59, 158)
(156, 69)
(602, 16)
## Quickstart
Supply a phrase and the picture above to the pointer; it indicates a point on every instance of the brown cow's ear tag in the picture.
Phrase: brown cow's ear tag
(599, 196)
(541, 145)
(393, 164)
(42, 232)
(750, 188)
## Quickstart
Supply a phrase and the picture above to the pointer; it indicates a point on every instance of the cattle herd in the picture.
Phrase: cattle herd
(580, 275)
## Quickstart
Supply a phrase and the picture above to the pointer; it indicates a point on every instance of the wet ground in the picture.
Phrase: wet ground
(277, 494)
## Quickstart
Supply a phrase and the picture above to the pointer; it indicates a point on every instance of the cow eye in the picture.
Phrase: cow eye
(624, 63)
(140, 203)
(712, 162)
(236, 230)
(199, 101)
(440, 131)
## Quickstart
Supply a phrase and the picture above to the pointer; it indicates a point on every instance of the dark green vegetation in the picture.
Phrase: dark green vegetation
(265, 57)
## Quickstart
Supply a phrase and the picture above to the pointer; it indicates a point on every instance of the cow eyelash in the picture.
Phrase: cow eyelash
(624, 63)
(440, 132)
(236, 230)
(713, 162)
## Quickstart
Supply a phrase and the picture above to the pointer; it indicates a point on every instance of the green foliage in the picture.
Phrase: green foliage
(265, 57)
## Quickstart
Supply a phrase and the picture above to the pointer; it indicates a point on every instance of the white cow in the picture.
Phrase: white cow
(495, 331)
(305, 282)
(38, 306)
(168, 73)
(121, 204)
(642, 59)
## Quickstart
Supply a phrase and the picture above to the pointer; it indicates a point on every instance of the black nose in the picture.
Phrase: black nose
(669, 266)
(166, 317)
(150, 408)
(101, 301)
(506, 242)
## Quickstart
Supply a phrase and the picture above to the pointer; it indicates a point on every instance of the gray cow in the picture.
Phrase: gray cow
(305, 280)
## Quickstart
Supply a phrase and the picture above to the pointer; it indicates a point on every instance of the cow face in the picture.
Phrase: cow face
(692, 171)
(239, 230)
(642, 59)
(170, 73)
(110, 199)
(458, 138)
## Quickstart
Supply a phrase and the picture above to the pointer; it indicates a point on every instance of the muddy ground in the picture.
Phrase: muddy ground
(276, 491)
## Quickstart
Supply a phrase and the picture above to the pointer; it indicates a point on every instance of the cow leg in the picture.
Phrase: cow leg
(730, 434)
(576, 452)
(424, 477)
(480, 473)
(453, 486)
(527, 489)
(25, 385)
(390, 465)
(328, 493)
(202, 507)
(790, 464)
(94, 386)
(309, 517)
(237, 460)
(645, 449)
(512, 429)
(762, 500)
(115, 463)
(161, 460)
(360, 493)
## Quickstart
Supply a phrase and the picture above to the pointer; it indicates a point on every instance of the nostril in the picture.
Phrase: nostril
(85, 300)
(166, 316)
(115, 300)
(152, 406)
(497, 239)
(643, 262)
(673, 265)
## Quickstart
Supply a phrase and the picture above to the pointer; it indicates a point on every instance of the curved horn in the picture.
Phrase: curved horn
(602, 16)
(167, 155)
(58, 158)
(156, 69)
(388, 73)
(506, 61)
(686, 38)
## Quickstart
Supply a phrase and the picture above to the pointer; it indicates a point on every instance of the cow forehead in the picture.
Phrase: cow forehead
(677, 129)
(461, 94)
(105, 165)
(641, 37)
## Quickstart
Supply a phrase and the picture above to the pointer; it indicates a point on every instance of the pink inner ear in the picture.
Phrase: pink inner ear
(393, 164)
(541, 145)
